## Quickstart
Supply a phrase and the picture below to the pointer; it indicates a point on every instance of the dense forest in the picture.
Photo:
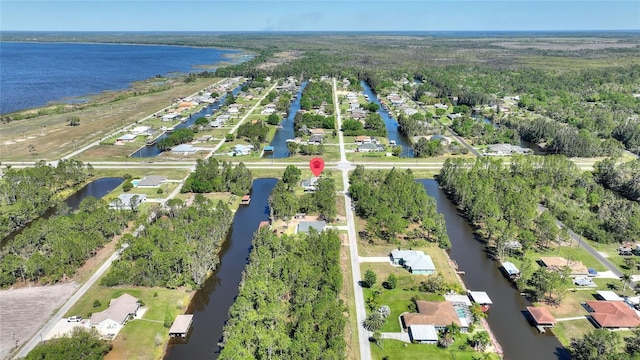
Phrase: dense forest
(284, 203)
(373, 126)
(81, 344)
(391, 201)
(52, 249)
(28, 193)
(209, 177)
(503, 200)
(307, 121)
(288, 305)
(316, 94)
(624, 178)
(180, 248)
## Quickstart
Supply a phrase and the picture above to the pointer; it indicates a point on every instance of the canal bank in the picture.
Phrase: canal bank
(518, 339)
(97, 188)
(285, 132)
(390, 123)
(210, 304)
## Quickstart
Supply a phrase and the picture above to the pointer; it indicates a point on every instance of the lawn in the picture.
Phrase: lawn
(566, 330)
(138, 337)
(393, 349)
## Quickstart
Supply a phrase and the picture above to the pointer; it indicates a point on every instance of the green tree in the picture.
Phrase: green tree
(82, 344)
(373, 322)
(598, 344)
(291, 176)
(273, 119)
(392, 281)
(369, 278)
(73, 121)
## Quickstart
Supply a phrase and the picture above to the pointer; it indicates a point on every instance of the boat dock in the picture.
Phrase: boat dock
(181, 326)
(245, 200)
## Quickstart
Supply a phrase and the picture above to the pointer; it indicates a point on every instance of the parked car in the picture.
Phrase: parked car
(75, 318)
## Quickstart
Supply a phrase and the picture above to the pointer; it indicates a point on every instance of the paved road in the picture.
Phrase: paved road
(345, 166)
(27, 347)
(584, 244)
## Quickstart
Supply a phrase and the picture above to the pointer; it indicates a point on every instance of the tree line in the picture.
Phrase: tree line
(315, 94)
(179, 249)
(211, 176)
(177, 137)
(288, 306)
(622, 178)
(51, 250)
(28, 193)
(392, 202)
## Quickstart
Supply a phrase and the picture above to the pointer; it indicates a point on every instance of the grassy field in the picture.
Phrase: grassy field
(393, 349)
(51, 138)
(140, 338)
(171, 174)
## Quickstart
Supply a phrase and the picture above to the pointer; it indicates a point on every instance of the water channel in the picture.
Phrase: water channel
(390, 123)
(152, 150)
(97, 188)
(210, 305)
(279, 141)
(519, 340)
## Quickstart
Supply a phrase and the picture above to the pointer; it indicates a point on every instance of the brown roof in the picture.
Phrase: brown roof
(614, 314)
(556, 263)
(317, 131)
(541, 315)
(437, 313)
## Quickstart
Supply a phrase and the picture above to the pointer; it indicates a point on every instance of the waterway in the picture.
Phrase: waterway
(279, 141)
(97, 188)
(390, 123)
(519, 340)
(152, 150)
(210, 305)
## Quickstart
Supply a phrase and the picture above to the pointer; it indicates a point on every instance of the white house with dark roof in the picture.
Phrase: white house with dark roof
(417, 262)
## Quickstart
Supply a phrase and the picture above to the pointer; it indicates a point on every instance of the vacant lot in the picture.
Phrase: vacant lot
(24, 310)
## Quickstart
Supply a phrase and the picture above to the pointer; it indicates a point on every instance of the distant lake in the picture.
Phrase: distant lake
(32, 74)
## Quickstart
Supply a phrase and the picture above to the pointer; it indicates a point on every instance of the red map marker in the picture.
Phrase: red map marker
(316, 165)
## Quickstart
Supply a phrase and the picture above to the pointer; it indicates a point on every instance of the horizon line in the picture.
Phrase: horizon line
(317, 31)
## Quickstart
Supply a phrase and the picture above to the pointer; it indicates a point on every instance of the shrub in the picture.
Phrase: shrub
(96, 303)
(159, 191)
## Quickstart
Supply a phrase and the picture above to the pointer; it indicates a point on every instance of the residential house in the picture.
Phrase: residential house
(171, 116)
(410, 111)
(141, 130)
(363, 140)
(306, 226)
(505, 150)
(369, 147)
(315, 139)
(126, 138)
(440, 314)
(443, 139)
(316, 131)
(454, 116)
(417, 262)
(240, 150)
(203, 139)
(309, 184)
(124, 201)
(184, 149)
(151, 181)
(120, 310)
(441, 106)
(612, 315)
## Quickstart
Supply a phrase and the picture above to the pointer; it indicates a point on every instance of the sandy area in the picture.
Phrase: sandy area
(23, 311)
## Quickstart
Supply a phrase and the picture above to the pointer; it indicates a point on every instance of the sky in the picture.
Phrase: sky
(326, 15)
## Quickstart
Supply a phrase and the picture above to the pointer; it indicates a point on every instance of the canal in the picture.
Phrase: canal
(279, 141)
(97, 188)
(152, 150)
(390, 123)
(210, 305)
(518, 339)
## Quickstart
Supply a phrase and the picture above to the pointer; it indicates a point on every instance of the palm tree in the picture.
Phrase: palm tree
(373, 322)
(480, 340)
(626, 278)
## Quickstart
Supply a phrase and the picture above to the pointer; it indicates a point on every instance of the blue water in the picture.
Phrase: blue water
(33, 74)
(279, 141)
(152, 150)
(390, 123)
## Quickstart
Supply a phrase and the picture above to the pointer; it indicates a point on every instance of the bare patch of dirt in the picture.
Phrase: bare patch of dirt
(23, 311)
(280, 58)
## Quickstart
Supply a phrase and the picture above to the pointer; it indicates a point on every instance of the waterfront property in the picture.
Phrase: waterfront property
(609, 295)
(112, 319)
(417, 262)
(306, 226)
(541, 317)
(510, 270)
(126, 138)
(424, 334)
(615, 315)
(181, 326)
(481, 298)
(151, 181)
(184, 149)
(439, 314)
(127, 201)
(309, 185)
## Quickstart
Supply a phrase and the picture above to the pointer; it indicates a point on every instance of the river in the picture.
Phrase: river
(518, 339)
(279, 141)
(152, 150)
(391, 124)
(97, 188)
(210, 305)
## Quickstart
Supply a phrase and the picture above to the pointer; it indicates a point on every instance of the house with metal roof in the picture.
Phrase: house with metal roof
(151, 181)
(417, 262)
(424, 334)
(120, 310)
(306, 226)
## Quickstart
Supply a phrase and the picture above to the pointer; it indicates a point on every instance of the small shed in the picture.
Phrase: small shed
(609, 296)
(541, 317)
(424, 334)
(181, 326)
